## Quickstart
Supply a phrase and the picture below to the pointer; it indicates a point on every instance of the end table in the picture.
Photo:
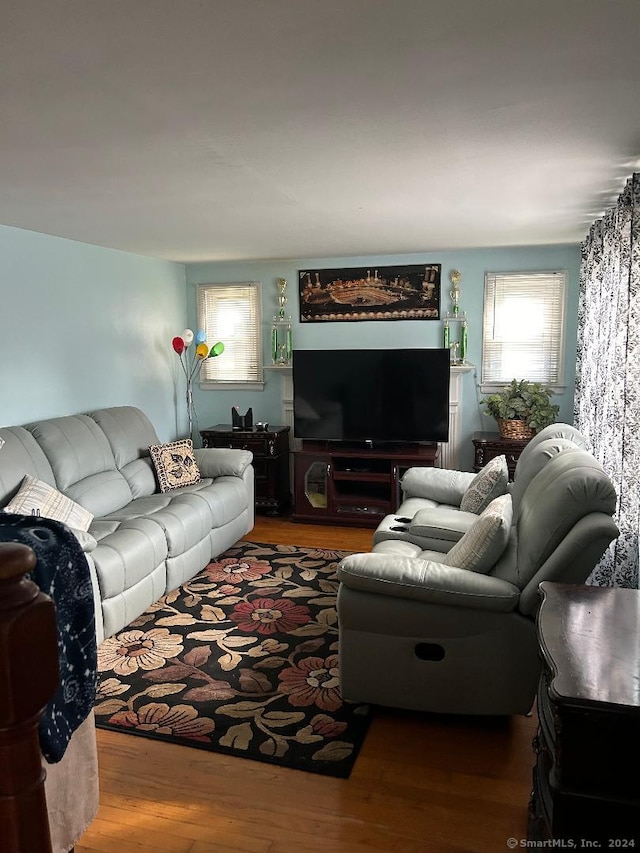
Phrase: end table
(488, 445)
(270, 450)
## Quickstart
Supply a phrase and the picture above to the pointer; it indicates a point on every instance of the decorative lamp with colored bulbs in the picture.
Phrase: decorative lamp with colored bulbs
(192, 362)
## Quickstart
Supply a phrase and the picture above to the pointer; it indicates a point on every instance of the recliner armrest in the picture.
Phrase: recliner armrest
(222, 461)
(425, 580)
(441, 522)
(437, 484)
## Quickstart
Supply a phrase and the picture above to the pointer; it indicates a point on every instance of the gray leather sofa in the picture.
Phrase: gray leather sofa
(421, 633)
(141, 543)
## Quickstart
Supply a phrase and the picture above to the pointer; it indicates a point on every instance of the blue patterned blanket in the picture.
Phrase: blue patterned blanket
(62, 572)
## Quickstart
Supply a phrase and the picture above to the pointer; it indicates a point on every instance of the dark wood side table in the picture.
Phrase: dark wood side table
(586, 786)
(488, 445)
(270, 450)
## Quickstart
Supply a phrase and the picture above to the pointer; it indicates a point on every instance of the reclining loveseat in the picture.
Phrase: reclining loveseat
(441, 615)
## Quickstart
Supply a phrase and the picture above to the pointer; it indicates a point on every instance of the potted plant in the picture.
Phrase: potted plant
(521, 408)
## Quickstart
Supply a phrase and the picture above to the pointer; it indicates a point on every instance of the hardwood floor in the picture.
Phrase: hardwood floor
(422, 783)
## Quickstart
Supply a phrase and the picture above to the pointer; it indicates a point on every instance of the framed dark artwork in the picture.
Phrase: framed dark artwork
(409, 292)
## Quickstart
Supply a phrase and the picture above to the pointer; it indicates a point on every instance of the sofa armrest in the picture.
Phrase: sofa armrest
(425, 580)
(86, 540)
(437, 484)
(222, 461)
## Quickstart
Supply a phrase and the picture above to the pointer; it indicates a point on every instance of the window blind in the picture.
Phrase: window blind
(523, 327)
(231, 313)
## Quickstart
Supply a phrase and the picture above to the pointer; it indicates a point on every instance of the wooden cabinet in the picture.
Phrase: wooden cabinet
(488, 445)
(270, 450)
(586, 786)
(338, 484)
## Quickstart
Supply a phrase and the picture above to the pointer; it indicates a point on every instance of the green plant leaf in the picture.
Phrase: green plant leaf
(524, 401)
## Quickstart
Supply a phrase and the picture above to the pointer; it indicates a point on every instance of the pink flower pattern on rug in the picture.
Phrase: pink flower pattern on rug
(313, 681)
(269, 615)
(242, 659)
(235, 571)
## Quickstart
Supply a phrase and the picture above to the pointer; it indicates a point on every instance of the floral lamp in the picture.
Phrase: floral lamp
(191, 363)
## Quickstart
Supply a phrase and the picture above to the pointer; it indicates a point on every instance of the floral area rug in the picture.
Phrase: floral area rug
(243, 660)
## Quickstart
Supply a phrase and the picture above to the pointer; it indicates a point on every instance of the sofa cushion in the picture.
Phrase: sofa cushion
(21, 455)
(82, 462)
(226, 497)
(175, 464)
(484, 543)
(127, 552)
(535, 460)
(569, 487)
(38, 498)
(129, 433)
(565, 432)
(187, 515)
(184, 517)
(489, 483)
(423, 580)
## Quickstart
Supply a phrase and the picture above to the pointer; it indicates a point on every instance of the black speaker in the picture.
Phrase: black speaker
(239, 421)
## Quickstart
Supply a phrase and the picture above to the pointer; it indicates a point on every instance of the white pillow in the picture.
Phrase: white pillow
(489, 483)
(38, 498)
(486, 540)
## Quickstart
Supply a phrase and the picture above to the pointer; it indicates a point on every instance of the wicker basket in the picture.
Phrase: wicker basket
(515, 429)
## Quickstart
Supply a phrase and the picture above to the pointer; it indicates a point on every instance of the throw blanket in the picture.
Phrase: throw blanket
(62, 572)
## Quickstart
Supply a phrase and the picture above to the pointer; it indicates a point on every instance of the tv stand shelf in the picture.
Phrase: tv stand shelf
(353, 485)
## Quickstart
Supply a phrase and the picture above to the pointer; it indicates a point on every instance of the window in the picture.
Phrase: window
(231, 313)
(523, 327)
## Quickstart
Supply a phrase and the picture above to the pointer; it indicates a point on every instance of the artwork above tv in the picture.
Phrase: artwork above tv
(400, 292)
(372, 396)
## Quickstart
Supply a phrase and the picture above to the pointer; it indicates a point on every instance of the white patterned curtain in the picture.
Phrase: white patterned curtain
(607, 399)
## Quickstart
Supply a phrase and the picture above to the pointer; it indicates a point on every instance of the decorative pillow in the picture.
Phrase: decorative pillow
(38, 498)
(175, 464)
(489, 483)
(486, 540)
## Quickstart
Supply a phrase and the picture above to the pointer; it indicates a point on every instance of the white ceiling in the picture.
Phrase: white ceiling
(250, 129)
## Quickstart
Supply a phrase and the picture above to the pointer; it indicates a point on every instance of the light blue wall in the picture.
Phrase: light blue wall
(82, 327)
(215, 406)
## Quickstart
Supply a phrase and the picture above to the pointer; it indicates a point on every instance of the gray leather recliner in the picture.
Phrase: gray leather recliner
(418, 634)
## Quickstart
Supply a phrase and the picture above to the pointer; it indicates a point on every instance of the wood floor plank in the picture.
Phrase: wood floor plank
(421, 784)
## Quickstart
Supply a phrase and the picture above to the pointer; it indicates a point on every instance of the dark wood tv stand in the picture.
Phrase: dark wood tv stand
(354, 484)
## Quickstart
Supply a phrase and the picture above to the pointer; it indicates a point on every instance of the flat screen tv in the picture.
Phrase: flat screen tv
(371, 395)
